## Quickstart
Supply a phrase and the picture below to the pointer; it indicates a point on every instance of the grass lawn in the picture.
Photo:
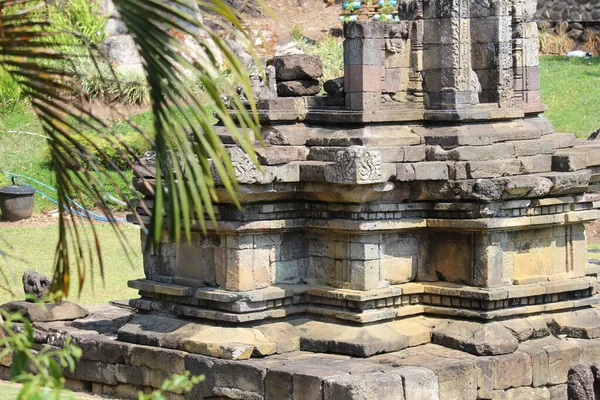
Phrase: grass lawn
(570, 89)
(9, 391)
(33, 248)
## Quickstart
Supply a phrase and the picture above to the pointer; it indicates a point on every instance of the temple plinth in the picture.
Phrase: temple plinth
(433, 188)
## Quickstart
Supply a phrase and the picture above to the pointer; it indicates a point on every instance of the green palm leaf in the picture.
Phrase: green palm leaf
(34, 54)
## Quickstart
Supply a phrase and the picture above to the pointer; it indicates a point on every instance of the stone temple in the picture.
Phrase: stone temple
(418, 234)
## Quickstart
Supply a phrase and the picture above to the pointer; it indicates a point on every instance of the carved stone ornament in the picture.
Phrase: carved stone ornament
(245, 170)
(355, 165)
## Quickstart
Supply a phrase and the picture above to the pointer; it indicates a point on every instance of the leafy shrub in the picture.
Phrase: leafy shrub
(10, 91)
(47, 382)
(98, 82)
(79, 16)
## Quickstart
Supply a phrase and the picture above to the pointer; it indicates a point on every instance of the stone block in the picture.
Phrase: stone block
(100, 348)
(476, 338)
(93, 371)
(367, 387)
(355, 164)
(569, 160)
(405, 172)
(279, 385)
(123, 50)
(199, 365)
(539, 361)
(365, 251)
(561, 356)
(419, 383)
(363, 101)
(274, 155)
(125, 391)
(430, 171)
(473, 153)
(297, 67)
(558, 392)
(393, 80)
(132, 375)
(513, 370)
(492, 169)
(239, 379)
(520, 328)
(297, 88)
(364, 275)
(63, 311)
(415, 153)
(568, 182)
(536, 164)
(528, 393)
(457, 377)
(148, 330)
(525, 148)
(364, 29)
(583, 324)
(561, 140)
(364, 78)
(157, 358)
(449, 258)
(367, 52)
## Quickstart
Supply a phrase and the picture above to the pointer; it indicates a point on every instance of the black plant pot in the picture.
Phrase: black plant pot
(16, 202)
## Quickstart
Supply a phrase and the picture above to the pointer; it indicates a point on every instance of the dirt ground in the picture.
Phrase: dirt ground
(45, 219)
(315, 19)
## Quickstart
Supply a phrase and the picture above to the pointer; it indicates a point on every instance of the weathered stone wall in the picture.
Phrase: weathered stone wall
(428, 369)
(568, 10)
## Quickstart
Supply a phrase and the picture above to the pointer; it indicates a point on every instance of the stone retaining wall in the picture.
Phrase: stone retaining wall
(568, 10)
(537, 369)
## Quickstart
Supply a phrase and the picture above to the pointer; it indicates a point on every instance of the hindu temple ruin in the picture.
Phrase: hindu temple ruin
(417, 233)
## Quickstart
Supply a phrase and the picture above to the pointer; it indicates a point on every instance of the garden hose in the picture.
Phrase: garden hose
(84, 213)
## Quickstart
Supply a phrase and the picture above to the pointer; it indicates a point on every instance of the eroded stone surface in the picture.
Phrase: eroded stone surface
(538, 369)
(479, 339)
(578, 324)
(63, 311)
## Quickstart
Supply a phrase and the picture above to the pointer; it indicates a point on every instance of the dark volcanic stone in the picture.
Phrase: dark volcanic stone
(297, 66)
(63, 311)
(36, 284)
(308, 87)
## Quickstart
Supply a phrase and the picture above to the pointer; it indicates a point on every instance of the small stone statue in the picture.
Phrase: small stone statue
(36, 284)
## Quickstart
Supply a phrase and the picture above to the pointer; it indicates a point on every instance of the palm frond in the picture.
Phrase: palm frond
(34, 54)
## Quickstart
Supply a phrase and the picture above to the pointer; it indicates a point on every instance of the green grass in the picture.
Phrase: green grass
(33, 249)
(9, 391)
(569, 88)
(24, 151)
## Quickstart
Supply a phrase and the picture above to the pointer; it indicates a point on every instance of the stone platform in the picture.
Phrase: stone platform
(421, 227)
(436, 361)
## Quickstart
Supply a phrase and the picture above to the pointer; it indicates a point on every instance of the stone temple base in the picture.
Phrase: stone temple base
(436, 358)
